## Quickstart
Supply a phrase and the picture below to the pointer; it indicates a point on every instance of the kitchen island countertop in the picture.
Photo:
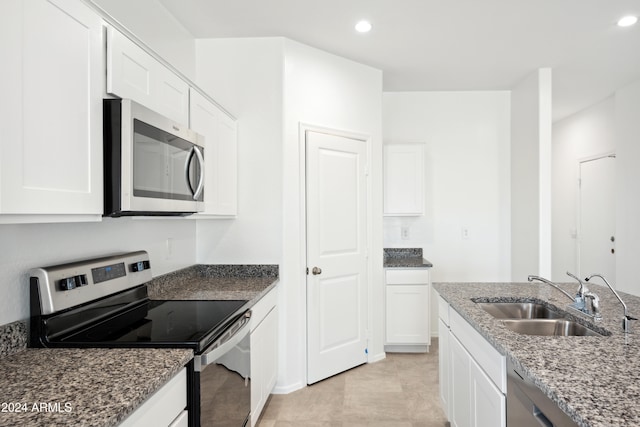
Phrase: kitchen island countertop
(82, 387)
(594, 380)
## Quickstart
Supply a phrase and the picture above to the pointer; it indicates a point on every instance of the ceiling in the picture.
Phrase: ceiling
(449, 45)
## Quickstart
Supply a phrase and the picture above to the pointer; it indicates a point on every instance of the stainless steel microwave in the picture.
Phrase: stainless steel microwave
(152, 165)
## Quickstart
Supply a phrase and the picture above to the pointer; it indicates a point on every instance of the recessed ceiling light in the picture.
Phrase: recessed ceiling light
(627, 21)
(363, 27)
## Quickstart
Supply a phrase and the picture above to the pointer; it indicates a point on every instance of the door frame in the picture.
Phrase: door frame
(579, 201)
(303, 128)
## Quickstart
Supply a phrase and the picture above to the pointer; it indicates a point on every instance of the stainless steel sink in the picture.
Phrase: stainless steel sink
(549, 327)
(519, 310)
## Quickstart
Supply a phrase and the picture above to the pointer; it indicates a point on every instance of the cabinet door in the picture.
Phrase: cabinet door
(220, 155)
(443, 366)
(488, 404)
(460, 404)
(135, 74)
(403, 180)
(407, 314)
(264, 362)
(51, 159)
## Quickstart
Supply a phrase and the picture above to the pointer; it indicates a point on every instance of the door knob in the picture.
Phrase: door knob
(316, 270)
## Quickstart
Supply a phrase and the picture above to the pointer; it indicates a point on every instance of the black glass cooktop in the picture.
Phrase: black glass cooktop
(190, 324)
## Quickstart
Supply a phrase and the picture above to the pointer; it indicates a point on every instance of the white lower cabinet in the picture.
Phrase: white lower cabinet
(459, 361)
(407, 310)
(488, 404)
(166, 407)
(444, 369)
(472, 374)
(264, 352)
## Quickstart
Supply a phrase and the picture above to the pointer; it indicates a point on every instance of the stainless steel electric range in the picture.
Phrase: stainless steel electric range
(103, 302)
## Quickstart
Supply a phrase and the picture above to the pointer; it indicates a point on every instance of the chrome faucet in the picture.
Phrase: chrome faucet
(579, 300)
(626, 318)
(580, 294)
(531, 278)
(595, 305)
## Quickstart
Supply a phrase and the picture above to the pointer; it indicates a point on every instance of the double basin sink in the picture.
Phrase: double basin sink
(533, 318)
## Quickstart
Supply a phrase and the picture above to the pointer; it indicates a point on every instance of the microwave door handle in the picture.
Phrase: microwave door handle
(200, 186)
(187, 169)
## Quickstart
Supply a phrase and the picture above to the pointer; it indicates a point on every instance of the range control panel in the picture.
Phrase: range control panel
(67, 285)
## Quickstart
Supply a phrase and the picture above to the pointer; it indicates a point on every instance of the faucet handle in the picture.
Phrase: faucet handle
(625, 322)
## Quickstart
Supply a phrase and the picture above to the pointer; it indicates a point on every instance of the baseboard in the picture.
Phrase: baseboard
(406, 348)
(286, 389)
(376, 357)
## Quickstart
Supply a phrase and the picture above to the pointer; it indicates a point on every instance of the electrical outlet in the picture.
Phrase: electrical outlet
(404, 233)
(465, 233)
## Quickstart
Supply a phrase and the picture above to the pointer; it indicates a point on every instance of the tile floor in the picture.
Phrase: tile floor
(399, 391)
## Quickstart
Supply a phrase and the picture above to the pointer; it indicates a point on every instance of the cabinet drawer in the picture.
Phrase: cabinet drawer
(443, 310)
(407, 277)
(260, 310)
(163, 407)
(487, 357)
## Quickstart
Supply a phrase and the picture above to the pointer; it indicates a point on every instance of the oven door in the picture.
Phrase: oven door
(224, 372)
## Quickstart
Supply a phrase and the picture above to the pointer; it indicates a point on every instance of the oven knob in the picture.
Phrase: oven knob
(140, 266)
(68, 283)
(81, 280)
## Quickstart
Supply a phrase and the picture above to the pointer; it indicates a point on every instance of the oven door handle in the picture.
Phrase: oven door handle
(220, 346)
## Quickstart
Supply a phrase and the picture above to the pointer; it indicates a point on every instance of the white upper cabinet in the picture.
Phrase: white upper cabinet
(135, 74)
(51, 132)
(220, 156)
(403, 179)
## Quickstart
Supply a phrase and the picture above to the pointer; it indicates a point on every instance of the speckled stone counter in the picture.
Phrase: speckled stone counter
(215, 282)
(82, 387)
(405, 258)
(13, 338)
(594, 380)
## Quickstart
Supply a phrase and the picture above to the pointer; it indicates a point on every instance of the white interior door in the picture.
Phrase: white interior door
(336, 254)
(597, 218)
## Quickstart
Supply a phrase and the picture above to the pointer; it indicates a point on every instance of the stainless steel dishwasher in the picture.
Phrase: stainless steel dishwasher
(528, 406)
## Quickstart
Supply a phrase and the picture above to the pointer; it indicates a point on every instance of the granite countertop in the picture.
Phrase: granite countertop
(594, 380)
(101, 387)
(405, 258)
(215, 282)
(82, 387)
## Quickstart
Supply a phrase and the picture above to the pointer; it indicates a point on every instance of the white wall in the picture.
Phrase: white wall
(588, 133)
(38, 245)
(627, 110)
(466, 136)
(245, 76)
(271, 85)
(325, 90)
(531, 176)
(151, 22)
